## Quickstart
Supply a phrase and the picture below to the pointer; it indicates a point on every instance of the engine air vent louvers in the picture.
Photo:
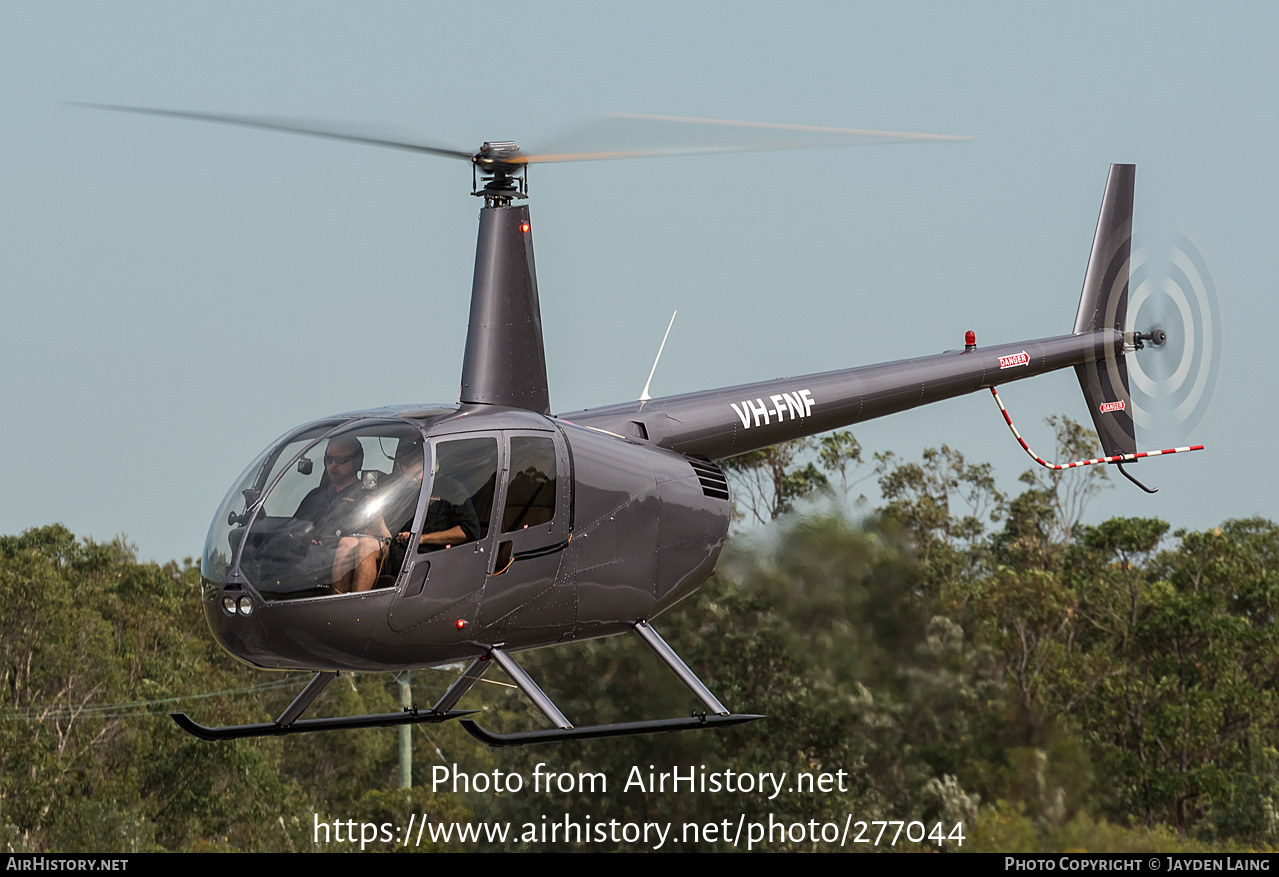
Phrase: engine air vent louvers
(714, 483)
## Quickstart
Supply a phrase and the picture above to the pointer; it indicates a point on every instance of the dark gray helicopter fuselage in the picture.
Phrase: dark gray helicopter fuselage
(640, 518)
(635, 529)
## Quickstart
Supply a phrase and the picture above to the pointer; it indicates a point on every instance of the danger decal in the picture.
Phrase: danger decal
(1107, 407)
(1013, 359)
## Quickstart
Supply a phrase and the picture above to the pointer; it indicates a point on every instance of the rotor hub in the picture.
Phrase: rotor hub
(504, 174)
(1156, 338)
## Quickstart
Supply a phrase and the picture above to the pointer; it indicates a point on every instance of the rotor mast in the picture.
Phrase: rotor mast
(505, 358)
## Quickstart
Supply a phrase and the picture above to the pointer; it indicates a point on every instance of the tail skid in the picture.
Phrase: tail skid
(1118, 459)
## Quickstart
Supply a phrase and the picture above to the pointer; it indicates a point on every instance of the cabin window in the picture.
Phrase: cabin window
(530, 491)
(461, 503)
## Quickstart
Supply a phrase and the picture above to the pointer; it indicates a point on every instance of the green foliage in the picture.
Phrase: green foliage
(960, 656)
(1006, 828)
(1067, 492)
(768, 483)
(944, 503)
(93, 647)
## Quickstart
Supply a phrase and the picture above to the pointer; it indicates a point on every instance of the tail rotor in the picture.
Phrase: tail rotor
(1163, 339)
(1176, 321)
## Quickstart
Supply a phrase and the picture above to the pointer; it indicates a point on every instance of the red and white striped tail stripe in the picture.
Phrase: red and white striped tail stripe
(1118, 458)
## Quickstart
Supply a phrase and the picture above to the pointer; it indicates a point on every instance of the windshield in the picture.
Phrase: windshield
(319, 513)
(232, 516)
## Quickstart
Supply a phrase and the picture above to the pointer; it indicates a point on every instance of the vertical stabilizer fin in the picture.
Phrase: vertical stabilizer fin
(1103, 305)
(505, 360)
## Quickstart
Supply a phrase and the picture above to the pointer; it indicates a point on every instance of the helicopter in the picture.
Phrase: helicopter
(419, 536)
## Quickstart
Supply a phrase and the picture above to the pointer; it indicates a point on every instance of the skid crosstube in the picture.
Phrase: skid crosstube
(289, 723)
(717, 715)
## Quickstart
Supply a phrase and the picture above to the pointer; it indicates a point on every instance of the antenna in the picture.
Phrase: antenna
(644, 396)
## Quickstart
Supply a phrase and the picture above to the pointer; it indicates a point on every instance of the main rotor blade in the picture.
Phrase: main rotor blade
(711, 136)
(291, 127)
(777, 126)
(717, 136)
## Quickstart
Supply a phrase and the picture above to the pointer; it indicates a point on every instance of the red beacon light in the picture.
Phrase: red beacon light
(970, 340)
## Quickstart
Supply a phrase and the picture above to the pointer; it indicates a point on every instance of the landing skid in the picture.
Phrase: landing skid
(289, 723)
(718, 716)
(271, 729)
(619, 729)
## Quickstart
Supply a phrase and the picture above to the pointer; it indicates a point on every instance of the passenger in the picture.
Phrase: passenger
(450, 517)
(405, 487)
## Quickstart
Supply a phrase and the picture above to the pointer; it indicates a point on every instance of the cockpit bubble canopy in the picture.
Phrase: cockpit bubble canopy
(318, 510)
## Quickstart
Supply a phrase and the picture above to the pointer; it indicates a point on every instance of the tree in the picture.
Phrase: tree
(1067, 492)
(1040, 680)
(767, 483)
(1187, 723)
(944, 503)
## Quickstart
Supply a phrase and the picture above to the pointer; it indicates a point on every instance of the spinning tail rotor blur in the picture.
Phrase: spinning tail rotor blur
(1172, 384)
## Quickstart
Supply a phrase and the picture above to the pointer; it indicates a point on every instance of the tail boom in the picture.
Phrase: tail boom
(714, 424)
(723, 423)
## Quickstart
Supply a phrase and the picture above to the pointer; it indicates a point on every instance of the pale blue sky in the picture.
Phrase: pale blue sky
(177, 295)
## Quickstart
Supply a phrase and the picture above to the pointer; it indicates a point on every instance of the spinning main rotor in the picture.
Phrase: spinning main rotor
(502, 166)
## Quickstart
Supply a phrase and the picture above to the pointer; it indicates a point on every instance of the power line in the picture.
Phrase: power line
(134, 707)
(140, 708)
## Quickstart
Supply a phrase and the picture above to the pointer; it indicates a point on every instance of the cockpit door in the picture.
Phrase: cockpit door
(449, 552)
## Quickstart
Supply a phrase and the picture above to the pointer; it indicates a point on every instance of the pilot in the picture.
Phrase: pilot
(348, 533)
